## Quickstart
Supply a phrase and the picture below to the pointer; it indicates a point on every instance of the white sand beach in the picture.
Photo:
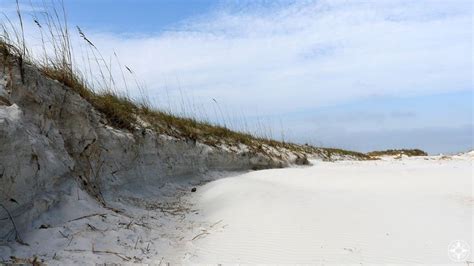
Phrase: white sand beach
(386, 211)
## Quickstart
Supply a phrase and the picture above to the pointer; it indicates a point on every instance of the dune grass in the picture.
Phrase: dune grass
(121, 110)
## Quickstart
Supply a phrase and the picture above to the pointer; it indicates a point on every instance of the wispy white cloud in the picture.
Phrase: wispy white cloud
(303, 54)
(307, 54)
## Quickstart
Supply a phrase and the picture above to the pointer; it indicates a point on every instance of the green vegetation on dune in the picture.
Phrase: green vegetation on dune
(407, 152)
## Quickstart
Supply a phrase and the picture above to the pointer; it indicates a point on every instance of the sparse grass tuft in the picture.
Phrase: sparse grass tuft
(120, 111)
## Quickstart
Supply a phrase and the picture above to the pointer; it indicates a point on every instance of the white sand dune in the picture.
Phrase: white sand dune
(390, 211)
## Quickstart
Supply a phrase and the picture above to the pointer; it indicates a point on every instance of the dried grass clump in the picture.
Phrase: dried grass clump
(120, 111)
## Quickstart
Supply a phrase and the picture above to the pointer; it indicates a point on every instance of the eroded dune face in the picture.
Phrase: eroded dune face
(389, 211)
(50, 135)
(54, 144)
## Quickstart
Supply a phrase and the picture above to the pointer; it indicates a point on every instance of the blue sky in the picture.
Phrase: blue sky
(363, 75)
(132, 16)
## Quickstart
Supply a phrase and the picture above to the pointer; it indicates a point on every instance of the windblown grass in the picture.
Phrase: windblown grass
(120, 110)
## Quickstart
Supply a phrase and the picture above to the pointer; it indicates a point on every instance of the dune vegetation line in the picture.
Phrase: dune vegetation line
(93, 79)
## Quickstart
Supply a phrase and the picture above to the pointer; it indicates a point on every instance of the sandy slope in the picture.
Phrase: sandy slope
(390, 211)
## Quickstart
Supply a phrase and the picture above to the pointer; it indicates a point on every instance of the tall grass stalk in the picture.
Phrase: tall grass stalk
(58, 61)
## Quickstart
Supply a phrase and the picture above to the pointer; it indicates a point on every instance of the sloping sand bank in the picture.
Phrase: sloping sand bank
(388, 211)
